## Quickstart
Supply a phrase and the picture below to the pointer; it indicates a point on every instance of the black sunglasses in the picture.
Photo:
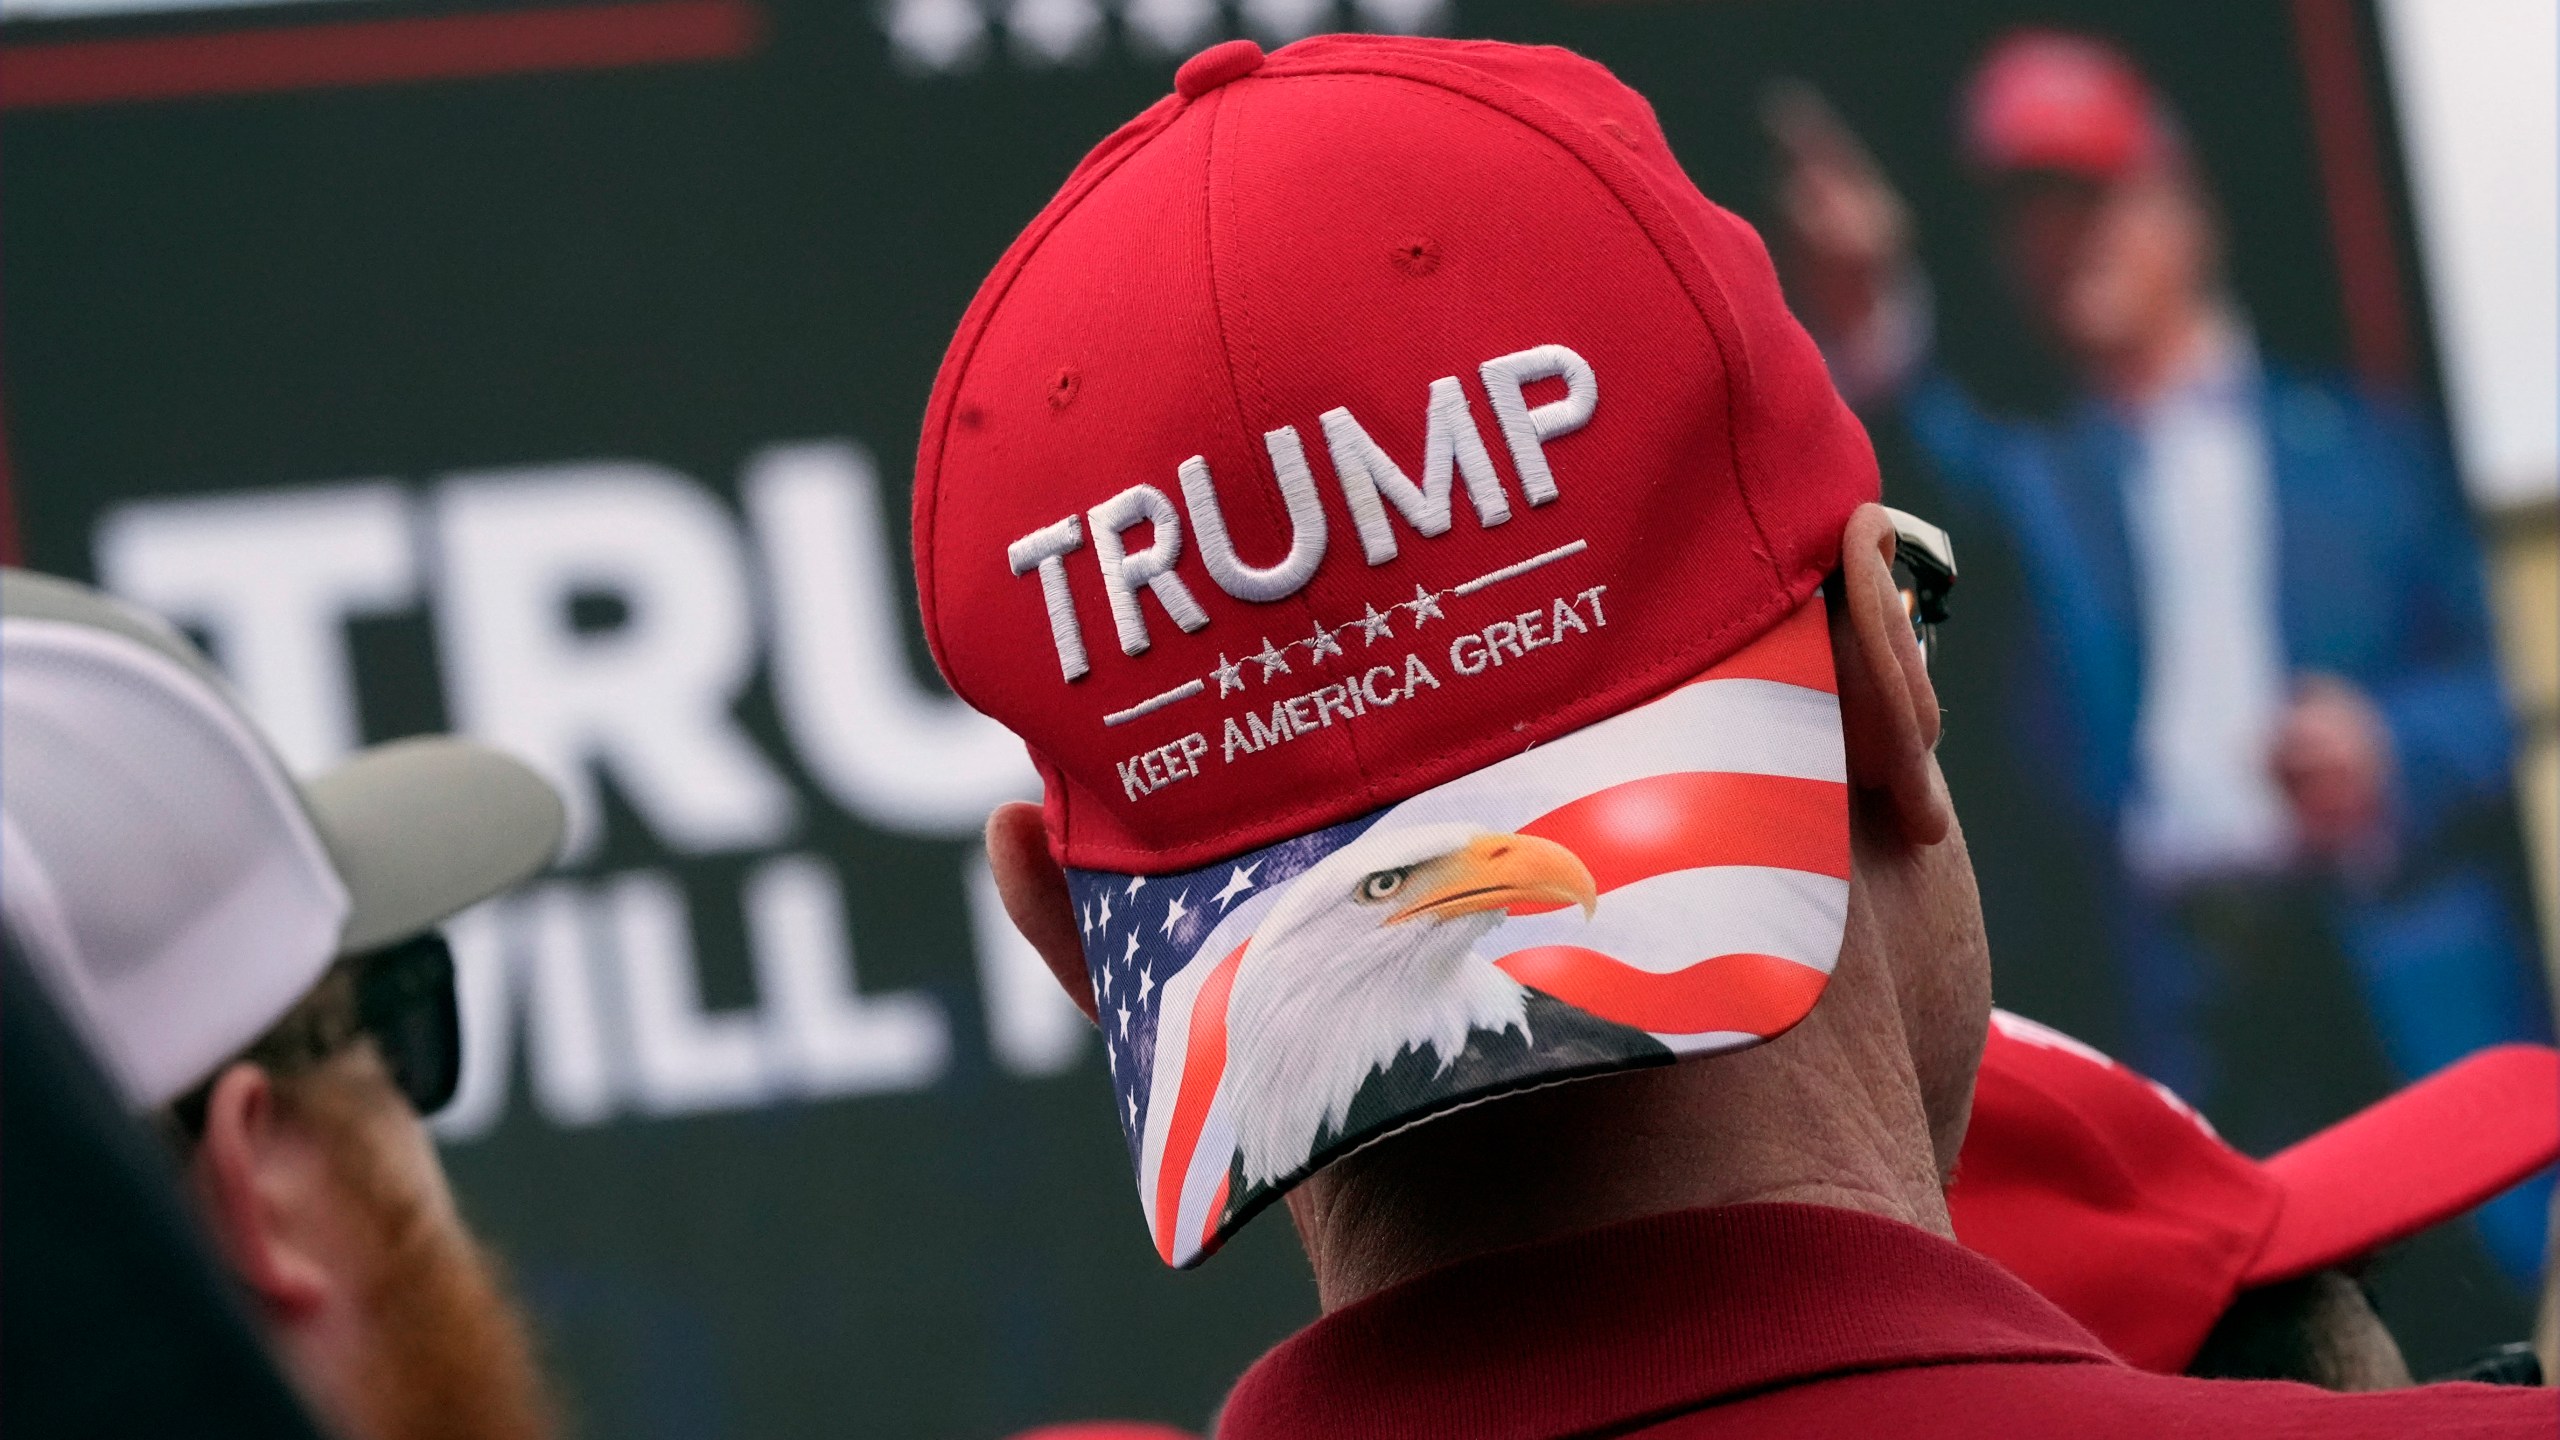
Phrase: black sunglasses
(1924, 568)
(405, 1000)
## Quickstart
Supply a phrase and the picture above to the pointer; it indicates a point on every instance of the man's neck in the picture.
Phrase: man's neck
(1829, 1114)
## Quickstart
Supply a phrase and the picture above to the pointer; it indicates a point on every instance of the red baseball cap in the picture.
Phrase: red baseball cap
(2047, 100)
(2119, 1203)
(1389, 500)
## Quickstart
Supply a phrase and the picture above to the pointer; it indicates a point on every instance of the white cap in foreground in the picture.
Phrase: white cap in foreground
(175, 887)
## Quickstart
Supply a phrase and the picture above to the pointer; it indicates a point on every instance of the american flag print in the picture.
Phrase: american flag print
(1670, 882)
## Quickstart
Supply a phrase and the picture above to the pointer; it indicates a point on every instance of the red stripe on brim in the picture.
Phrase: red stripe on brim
(377, 52)
(1204, 1063)
(1654, 826)
(1756, 994)
(1217, 1212)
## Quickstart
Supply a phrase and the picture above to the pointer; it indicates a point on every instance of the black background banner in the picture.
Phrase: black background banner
(572, 400)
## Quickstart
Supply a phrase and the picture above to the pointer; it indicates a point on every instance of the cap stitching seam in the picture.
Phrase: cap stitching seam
(1650, 680)
(1016, 260)
(1374, 787)
(1228, 344)
(1521, 102)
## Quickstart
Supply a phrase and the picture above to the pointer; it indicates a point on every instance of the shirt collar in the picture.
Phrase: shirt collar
(2223, 370)
(1646, 1319)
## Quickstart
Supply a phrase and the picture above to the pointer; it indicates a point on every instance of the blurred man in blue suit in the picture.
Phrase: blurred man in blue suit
(2256, 665)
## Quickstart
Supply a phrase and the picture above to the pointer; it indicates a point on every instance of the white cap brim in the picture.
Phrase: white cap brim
(421, 830)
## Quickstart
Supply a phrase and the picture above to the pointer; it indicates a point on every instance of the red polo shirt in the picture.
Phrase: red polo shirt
(1777, 1321)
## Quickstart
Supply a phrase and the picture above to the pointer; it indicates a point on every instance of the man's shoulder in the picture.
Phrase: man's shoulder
(2101, 1402)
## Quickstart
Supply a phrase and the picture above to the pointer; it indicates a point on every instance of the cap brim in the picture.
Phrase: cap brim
(423, 829)
(2416, 1159)
(1669, 882)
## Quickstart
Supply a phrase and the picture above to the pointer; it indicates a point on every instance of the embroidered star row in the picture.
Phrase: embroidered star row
(1323, 643)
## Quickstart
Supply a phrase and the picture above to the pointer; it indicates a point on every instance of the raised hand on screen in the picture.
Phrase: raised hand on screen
(2333, 756)
(1844, 234)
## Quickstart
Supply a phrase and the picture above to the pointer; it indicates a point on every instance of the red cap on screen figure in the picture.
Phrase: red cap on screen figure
(2051, 101)
(1296, 488)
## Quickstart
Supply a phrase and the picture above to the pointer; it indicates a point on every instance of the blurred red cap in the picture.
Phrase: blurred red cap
(2120, 1204)
(2045, 100)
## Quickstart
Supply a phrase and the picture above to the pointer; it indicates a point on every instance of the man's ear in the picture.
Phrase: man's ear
(1888, 707)
(262, 1191)
(1034, 890)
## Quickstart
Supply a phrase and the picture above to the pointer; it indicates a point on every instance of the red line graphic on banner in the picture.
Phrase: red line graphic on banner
(2329, 37)
(376, 52)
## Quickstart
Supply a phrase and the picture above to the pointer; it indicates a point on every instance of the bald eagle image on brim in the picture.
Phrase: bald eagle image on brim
(1672, 881)
(1392, 505)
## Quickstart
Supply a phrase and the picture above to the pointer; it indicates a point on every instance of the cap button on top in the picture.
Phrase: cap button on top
(1215, 66)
